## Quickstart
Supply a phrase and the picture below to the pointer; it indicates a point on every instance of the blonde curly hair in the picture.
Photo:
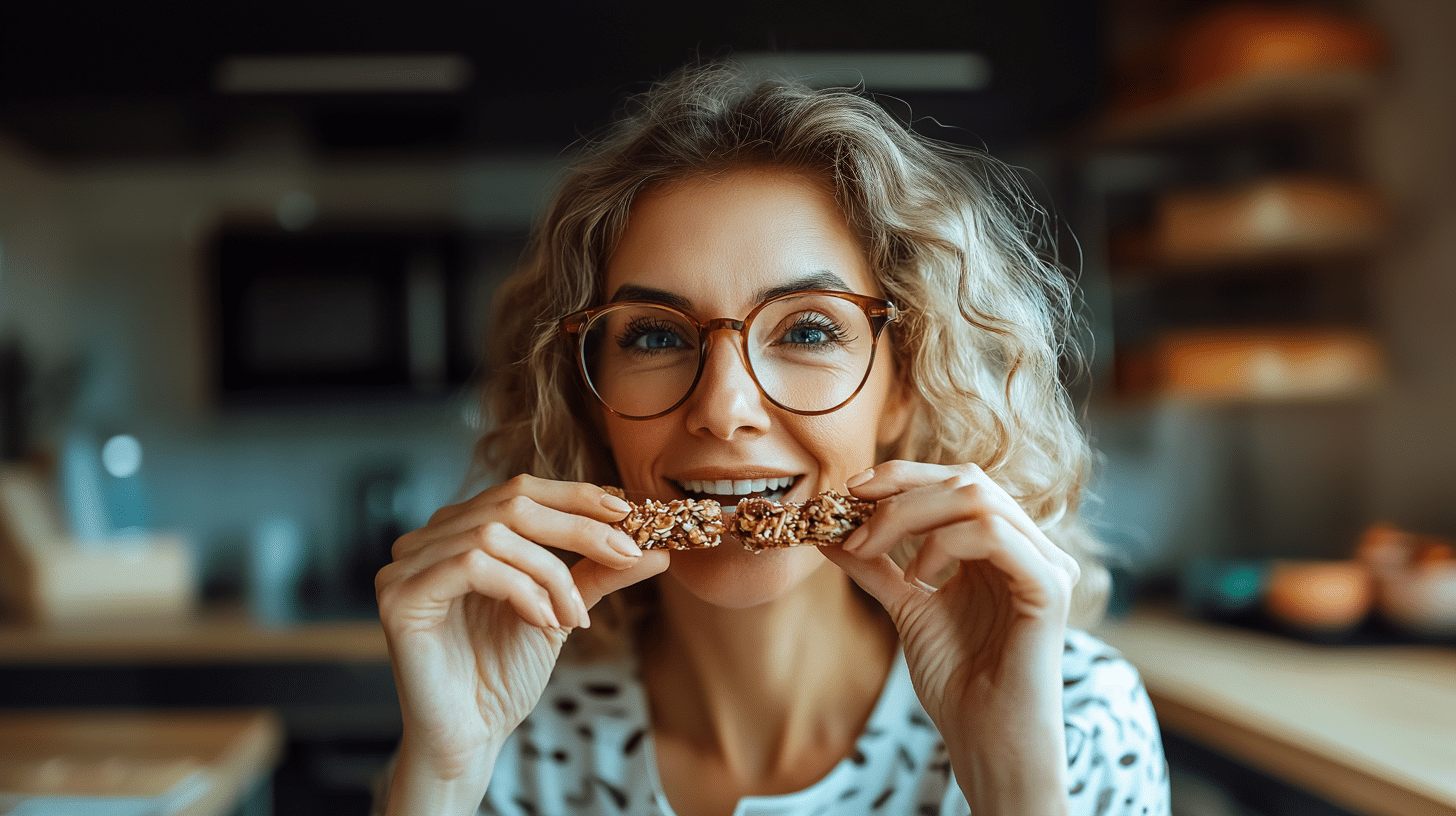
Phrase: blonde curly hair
(952, 234)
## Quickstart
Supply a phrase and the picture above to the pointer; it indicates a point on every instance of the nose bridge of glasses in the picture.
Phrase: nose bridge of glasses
(724, 324)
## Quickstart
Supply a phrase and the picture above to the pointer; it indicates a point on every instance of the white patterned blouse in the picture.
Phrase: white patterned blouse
(587, 750)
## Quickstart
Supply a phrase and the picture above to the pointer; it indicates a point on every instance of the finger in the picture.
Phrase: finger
(425, 596)
(920, 510)
(915, 511)
(542, 524)
(546, 569)
(503, 544)
(880, 577)
(596, 581)
(900, 476)
(580, 498)
(1031, 576)
(897, 476)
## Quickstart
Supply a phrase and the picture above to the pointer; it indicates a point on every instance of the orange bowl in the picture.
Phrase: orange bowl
(1325, 596)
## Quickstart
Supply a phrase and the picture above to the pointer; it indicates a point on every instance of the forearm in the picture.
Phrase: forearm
(419, 787)
(1011, 783)
(1015, 760)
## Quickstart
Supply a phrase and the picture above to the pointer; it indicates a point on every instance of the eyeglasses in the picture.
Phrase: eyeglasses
(809, 352)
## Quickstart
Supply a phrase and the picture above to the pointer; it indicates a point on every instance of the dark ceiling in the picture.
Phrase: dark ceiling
(98, 81)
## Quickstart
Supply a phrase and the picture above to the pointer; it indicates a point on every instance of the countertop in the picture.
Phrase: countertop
(1370, 728)
(198, 763)
(213, 636)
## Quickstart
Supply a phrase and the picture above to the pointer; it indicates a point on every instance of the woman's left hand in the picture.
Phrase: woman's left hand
(984, 649)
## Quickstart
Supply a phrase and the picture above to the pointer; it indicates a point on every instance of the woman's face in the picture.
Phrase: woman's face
(715, 245)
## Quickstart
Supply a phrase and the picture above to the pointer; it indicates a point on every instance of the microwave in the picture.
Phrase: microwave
(344, 313)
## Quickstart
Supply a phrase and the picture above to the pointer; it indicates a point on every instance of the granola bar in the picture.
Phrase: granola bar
(828, 518)
(680, 524)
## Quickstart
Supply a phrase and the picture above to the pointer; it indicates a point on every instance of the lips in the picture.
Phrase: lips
(731, 490)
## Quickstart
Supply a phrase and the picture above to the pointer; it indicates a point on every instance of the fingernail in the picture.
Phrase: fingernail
(615, 504)
(860, 478)
(919, 584)
(585, 617)
(623, 543)
(548, 615)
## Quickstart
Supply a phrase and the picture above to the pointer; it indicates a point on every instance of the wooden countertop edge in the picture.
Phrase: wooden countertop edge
(1219, 718)
(206, 638)
(233, 749)
(251, 757)
(1343, 784)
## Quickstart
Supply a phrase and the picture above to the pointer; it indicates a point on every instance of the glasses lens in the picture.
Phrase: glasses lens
(811, 352)
(640, 359)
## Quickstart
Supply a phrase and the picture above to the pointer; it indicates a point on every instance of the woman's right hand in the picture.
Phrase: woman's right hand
(475, 611)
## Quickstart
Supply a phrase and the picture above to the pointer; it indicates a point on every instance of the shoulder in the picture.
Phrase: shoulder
(1100, 688)
(1114, 748)
(1091, 669)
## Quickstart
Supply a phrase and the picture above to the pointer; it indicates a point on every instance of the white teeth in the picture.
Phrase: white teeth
(736, 487)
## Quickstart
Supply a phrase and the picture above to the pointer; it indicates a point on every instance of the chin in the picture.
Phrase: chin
(734, 578)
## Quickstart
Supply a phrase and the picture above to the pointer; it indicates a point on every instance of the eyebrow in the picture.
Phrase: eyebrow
(822, 279)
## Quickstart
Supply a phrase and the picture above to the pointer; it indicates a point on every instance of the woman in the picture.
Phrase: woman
(760, 289)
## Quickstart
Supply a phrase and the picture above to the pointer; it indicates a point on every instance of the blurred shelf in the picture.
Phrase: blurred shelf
(1368, 728)
(1245, 102)
(183, 763)
(1290, 217)
(214, 636)
(1255, 365)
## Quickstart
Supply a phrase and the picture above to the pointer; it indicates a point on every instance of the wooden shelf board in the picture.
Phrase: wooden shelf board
(1261, 98)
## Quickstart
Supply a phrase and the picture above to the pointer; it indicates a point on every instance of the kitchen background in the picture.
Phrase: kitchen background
(140, 160)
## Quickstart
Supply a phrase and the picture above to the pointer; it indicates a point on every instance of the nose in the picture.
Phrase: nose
(727, 401)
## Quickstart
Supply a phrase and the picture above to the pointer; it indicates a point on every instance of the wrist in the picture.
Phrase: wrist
(994, 786)
(1014, 770)
(434, 785)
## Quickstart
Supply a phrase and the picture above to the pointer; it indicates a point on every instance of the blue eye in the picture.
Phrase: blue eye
(648, 336)
(806, 335)
(658, 340)
(813, 331)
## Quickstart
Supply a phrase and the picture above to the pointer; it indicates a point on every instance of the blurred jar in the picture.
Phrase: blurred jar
(277, 553)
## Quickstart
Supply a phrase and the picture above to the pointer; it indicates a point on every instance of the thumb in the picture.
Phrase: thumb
(880, 576)
(595, 581)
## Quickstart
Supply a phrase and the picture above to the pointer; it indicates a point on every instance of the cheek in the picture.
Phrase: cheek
(844, 443)
(847, 440)
(634, 448)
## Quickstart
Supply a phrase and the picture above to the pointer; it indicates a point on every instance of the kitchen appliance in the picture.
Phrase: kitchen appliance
(340, 313)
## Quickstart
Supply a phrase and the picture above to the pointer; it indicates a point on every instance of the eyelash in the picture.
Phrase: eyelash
(829, 326)
(639, 327)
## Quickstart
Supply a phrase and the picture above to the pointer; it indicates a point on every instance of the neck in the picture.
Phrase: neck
(768, 689)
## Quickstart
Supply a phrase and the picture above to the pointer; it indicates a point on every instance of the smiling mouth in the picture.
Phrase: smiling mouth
(728, 492)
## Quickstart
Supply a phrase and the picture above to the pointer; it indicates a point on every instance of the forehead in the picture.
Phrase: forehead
(718, 241)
